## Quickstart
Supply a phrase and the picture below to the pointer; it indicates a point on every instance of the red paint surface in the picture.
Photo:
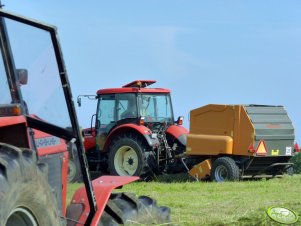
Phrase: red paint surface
(132, 90)
(12, 120)
(103, 187)
(122, 128)
(177, 131)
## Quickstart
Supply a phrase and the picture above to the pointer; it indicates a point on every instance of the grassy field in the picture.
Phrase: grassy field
(230, 203)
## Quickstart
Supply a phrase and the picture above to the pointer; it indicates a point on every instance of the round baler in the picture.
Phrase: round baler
(230, 142)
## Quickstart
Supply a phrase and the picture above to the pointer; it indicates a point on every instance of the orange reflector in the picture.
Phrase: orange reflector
(141, 121)
(10, 110)
(251, 148)
(261, 149)
(16, 110)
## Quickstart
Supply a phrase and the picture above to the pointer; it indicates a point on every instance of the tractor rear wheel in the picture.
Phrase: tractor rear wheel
(25, 195)
(224, 169)
(128, 157)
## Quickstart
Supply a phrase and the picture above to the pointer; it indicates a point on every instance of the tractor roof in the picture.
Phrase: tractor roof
(138, 86)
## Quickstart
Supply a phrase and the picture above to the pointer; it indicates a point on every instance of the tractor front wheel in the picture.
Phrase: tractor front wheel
(127, 157)
(224, 169)
(73, 172)
(128, 209)
(25, 195)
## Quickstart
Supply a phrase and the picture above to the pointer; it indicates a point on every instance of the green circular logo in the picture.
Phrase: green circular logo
(282, 215)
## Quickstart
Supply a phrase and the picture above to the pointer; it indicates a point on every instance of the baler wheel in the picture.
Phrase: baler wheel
(224, 169)
(25, 195)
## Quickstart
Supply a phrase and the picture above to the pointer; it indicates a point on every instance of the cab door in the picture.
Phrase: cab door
(105, 118)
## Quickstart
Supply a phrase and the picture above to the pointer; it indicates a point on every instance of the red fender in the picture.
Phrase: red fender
(139, 128)
(179, 132)
(12, 120)
(103, 186)
(89, 138)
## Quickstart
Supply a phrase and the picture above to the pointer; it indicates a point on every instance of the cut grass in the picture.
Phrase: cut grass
(229, 203)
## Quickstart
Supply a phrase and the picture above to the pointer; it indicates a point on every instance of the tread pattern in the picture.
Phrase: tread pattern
(231, 167)
(24, 180)
(128, 209)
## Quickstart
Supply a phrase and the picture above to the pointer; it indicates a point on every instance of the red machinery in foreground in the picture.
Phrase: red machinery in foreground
(135, 132)
(38, 125)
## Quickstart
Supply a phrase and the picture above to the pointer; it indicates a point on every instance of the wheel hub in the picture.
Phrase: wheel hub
(130, 161)
(221, 173)
(126, 161)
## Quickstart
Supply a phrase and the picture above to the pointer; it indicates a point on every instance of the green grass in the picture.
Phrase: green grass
(230, 203)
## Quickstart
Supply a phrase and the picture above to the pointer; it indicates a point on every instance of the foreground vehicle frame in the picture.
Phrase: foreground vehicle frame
(33, 182)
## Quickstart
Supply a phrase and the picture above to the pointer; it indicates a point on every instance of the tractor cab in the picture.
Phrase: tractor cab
(133, 103)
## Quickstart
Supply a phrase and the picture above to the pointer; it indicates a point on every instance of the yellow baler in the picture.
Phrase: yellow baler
(229, 142)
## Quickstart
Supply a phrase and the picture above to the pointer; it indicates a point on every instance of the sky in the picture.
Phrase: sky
(206, 52)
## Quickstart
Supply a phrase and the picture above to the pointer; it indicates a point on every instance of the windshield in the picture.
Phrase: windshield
(156, 107)
(32, 50)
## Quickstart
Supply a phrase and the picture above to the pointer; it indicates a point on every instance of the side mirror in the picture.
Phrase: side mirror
(22, 76)
(180, 120)
(79, 101)
(90, 97)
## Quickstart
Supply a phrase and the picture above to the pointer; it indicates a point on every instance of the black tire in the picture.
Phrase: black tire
(98, 163)
(74, 170)
(128, 156)
(126, 209)
(224, 169)
(74, 173)
(290, 171)
(25, 195)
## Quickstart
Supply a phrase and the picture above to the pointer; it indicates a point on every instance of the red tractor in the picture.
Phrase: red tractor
(38, 130)
(135, 133)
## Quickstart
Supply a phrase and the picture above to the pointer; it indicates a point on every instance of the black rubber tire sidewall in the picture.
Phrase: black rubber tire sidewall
(23, 184)
(231, 167)
(71, 169)
(77, 177)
